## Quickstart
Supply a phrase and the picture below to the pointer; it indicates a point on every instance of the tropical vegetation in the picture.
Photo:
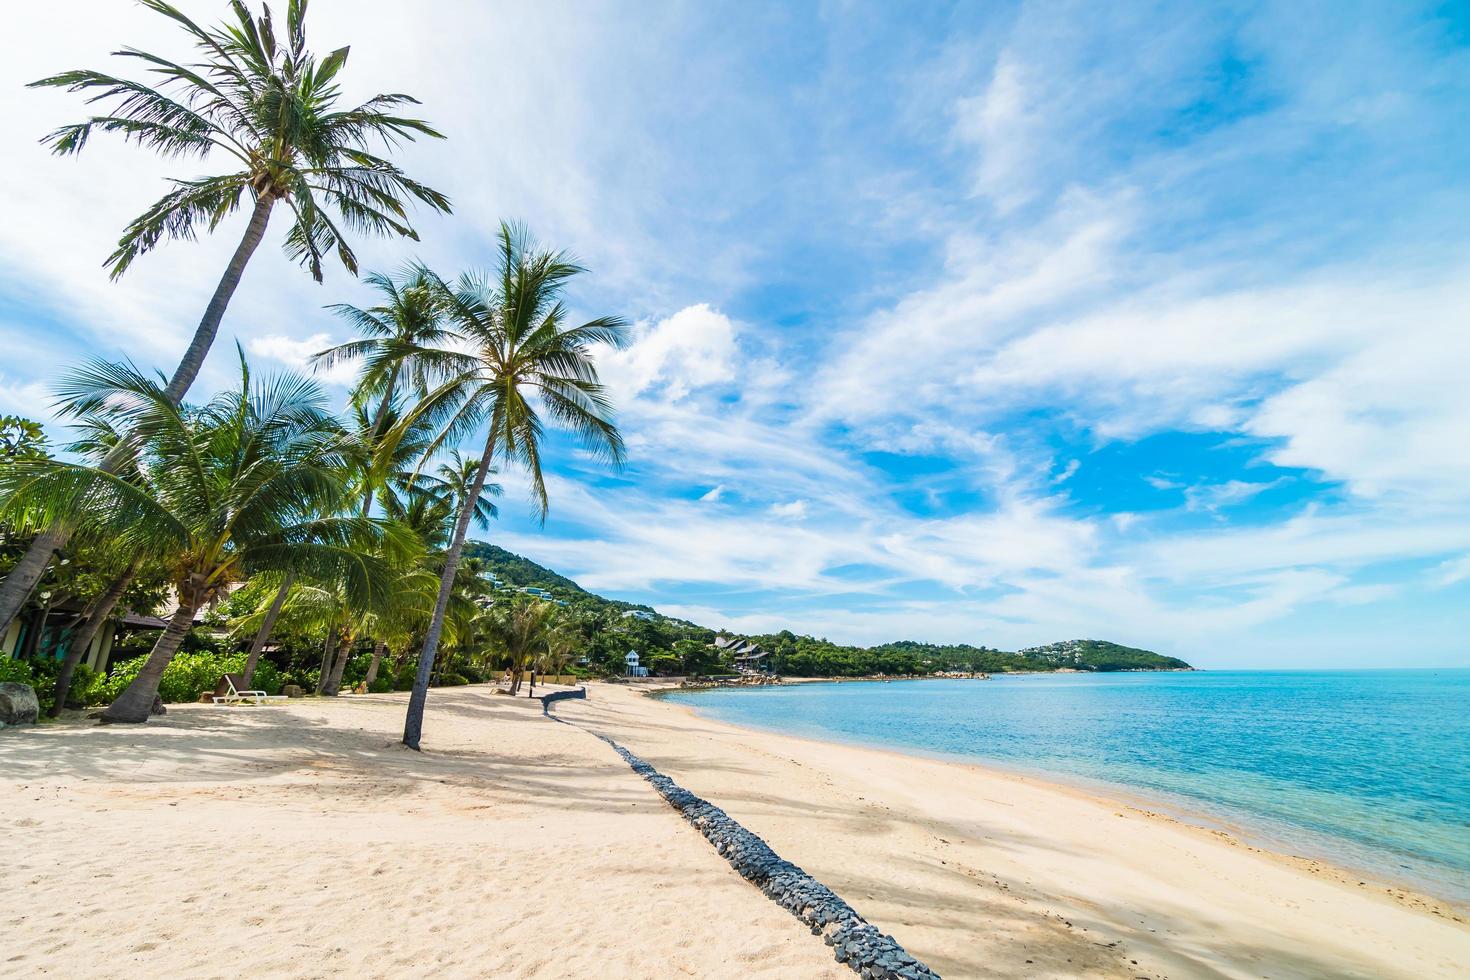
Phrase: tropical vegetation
(304, 548)
(272, 109)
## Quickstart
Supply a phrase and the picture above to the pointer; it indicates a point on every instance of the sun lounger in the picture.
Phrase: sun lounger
(231, 690)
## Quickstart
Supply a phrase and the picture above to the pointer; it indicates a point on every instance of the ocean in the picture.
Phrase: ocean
(1367, 769)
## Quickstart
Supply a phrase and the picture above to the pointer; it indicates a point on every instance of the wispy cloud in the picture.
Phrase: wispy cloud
(927, 308)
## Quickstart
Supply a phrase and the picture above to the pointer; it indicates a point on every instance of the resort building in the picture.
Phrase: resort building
(43, 634)
(745, 656)
(642, 614)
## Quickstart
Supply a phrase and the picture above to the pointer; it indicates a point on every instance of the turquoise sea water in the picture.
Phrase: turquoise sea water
(1368, 769)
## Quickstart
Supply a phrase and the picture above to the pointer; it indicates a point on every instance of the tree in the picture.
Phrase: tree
(233, 489)
(400, 332)
(523, 355)
(520, 632)
(451, 485)
(21, 438)
(270, 106)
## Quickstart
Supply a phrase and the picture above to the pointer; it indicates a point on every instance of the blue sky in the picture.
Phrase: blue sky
(998, 323)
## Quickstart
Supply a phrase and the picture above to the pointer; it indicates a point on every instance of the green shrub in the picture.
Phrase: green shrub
(189, 675)
(39, 674)
(381, 685)
(14, 671)
(453, 680)
(41, 677)
(403, 679)
(83, 680)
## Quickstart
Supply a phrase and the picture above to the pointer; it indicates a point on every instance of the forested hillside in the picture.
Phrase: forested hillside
(675, 646)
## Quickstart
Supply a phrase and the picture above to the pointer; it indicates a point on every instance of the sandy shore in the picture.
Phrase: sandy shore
(299, 839)
(984, 873)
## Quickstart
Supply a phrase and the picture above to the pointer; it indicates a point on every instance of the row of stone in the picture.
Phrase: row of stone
(860, 945)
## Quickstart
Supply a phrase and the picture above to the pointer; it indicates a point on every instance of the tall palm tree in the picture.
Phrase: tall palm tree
(233, 488)
(271, 106)
(523, 357)
(451, 483)
(400, 332)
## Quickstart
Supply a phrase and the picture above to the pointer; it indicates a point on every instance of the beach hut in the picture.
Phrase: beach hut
(631, 662)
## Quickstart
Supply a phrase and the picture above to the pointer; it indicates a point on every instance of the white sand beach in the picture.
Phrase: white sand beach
(299, 839)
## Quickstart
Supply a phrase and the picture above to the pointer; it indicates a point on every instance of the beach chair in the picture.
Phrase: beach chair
(231, 690)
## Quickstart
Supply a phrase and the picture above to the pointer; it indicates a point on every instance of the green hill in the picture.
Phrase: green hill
(674, 646)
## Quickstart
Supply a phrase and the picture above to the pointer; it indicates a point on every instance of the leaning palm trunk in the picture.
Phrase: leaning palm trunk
(263, 635)
(82, 638)
(372, 671)
(135, 703)
(413, 724)
(22, 580)
(339, 666)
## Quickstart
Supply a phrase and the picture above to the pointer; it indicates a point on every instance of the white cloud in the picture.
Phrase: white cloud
(1213, 497)
(791, 510)
(713, 494)
(1452, 572)
(694, 348)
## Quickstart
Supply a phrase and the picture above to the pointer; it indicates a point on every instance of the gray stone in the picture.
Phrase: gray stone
(18, 704)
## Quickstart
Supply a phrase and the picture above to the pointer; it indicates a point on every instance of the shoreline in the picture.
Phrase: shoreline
(981, 871)
(975, 872)
(1410, 890)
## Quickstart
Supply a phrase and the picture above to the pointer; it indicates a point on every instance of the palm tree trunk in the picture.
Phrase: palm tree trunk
(263, 635)
(21, 581)
(328, 645)
(82, 638)
(339, 666)
(24, 576)
(372, 671)
(413, 723)
(378, 416)
(134, 704)
(193, 358)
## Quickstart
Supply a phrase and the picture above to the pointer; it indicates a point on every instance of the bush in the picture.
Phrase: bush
(39, 674)
(15, 671)
(83, 681)
(381, 685)
(453, 680)
(403, 679)
(189, 675)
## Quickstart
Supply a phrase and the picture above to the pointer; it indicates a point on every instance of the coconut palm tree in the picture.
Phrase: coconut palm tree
(232, 488)
(521, 633)
(380, 461)
(524, 360)
(562, 644)
(272, 108)
(451, 483)
(402, 332)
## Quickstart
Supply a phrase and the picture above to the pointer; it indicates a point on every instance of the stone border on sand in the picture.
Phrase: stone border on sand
(854, 941)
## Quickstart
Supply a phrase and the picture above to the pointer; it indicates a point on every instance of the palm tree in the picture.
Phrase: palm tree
(451, 483)
(523, 355)
(272, 107)
(233, 488)
(521, 633)
(562, 643)
(400, 332)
